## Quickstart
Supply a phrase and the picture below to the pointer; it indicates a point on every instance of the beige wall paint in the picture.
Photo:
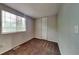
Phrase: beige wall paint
(52, 28)
(46, 28)
(9, 41)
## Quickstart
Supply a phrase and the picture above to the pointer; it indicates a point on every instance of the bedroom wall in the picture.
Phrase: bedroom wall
(8, 41)
(52, 28)
(68, 28)
(46, 28)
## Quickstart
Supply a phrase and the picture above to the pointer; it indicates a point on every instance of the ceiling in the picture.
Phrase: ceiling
(36, 10)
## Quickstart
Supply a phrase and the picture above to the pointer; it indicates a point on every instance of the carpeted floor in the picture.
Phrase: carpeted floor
(35, 47)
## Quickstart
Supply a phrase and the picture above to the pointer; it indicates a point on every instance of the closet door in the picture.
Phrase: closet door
(38, 28)
(44, 28)
(41, 28)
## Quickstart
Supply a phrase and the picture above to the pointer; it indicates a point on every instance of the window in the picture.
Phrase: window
(12, 23)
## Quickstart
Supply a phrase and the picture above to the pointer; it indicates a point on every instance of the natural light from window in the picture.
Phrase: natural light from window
(12, 23)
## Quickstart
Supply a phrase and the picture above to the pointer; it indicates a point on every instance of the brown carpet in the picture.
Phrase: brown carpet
(35, 47)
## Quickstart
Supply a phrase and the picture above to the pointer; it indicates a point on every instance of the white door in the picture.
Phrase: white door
(44, 28)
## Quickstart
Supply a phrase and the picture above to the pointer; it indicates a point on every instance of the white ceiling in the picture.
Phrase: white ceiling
(36, 9)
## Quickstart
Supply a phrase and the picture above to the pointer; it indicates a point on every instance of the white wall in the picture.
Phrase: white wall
(46, 28)
(67, 19)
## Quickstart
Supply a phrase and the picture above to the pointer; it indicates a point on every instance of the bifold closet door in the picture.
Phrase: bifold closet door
(38, 28)
(41, 28)
(44, 28)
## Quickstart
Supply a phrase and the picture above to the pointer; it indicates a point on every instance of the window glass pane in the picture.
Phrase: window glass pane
(23, 24)
(5, 21)
(18, 23)
(3, 18)
(13, 23)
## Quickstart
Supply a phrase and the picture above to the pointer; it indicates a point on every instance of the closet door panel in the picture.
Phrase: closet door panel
(38, 28)
(44, 28)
